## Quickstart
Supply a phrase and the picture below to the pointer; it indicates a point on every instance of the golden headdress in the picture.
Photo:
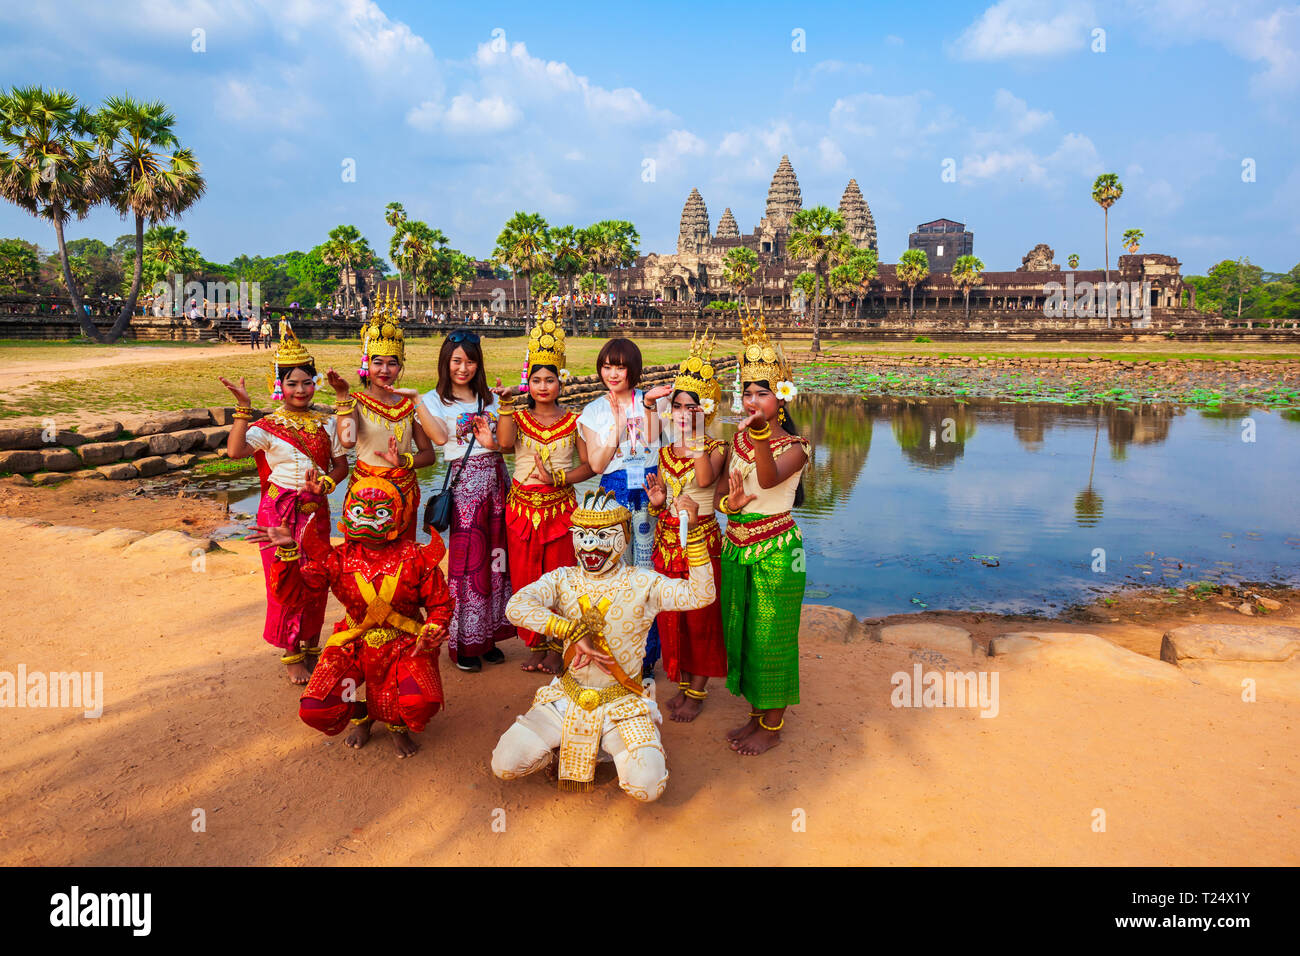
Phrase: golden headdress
(382, 335)
(546, 341)
(288, 353)
(761, 359)
(599, 509)
(697, 373)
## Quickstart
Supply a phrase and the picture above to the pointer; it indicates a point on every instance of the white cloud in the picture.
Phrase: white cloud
(1075, 155)
(1026, 28)
(831, 156)
(1017, 112)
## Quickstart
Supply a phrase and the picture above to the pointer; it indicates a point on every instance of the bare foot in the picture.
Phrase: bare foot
(404, 745)
(298, 672)
(534, 663)
(760, 741)
(743, 731)
(359, 736)
(676, 702)
(552, 662)
(687, 710)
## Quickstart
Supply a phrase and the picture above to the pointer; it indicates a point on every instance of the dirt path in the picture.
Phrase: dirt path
(199, 724)
(23, 373)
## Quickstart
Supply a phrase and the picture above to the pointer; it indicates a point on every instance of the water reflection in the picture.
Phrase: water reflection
(1166, 494)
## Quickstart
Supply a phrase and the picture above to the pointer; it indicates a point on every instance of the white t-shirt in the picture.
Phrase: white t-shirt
(288, 465)
(598, 421)
(457, 416)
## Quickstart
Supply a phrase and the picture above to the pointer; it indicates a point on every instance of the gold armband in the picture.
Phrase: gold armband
(407, 459)
(504, 411)
(243, 413)
(558, 627)
(697, 552)
(290, 553)
(328, 484)
(557, 479)
(725, 506)
(344, 407)
(761, 435)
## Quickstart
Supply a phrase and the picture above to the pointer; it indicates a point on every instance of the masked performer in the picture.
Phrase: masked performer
(600, 611)
(762, 554)
(398, 607)
(291, 445)
(543, 434)
(689, 466)
(378, 422)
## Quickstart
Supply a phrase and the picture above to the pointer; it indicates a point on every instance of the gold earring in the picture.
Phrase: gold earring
(781, 416)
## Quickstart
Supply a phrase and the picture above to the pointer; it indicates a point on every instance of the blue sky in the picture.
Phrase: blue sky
(468, 112)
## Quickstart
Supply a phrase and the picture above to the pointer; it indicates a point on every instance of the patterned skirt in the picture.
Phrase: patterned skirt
(691, 641)
(293, 627)
(763, 580)
(478, 574)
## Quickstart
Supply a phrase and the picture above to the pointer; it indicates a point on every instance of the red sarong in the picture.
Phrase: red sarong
(293, 624)
(691, 641)
(402, 687)
(537, 518)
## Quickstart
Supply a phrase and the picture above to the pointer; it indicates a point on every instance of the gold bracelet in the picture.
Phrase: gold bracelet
(725, 506)
(763, 435)
(697, 554)
(772, 729)
(557, 627)
(695, 694)
(345, 407)
(407, 459)
(243, 415)
(293, 658)
(290, 553)
(328, 484)
(503, 412)
(557, 479)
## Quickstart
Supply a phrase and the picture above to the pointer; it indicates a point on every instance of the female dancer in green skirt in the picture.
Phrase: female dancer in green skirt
(762, 554)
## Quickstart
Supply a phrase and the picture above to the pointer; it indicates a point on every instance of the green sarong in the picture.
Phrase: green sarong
(762, 594)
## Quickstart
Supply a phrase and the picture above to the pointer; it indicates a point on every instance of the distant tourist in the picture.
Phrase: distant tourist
(254, 330)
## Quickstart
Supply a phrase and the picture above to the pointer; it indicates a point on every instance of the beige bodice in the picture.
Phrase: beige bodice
(377, 422)
(678, 475)
(554, 446)
(767, 501)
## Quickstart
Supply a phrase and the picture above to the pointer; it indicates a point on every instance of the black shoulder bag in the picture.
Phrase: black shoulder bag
(438, 511)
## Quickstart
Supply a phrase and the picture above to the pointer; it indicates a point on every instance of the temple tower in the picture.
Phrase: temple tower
(857, 217)
(693, 234)
(727, 228)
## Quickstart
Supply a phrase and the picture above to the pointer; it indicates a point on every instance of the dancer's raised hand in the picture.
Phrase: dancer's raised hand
(736, 496)
(655, 490)
(277, 535)
(337, 382)
(240, 391)
(390, 454)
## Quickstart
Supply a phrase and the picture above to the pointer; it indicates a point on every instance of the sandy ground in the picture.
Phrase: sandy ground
(199, 717)
(21, 373)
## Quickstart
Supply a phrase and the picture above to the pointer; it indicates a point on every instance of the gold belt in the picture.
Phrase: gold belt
(588, 698)
(379, 636)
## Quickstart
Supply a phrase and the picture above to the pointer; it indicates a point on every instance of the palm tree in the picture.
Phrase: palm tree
(913, 268)
(544, 286)
(816, 236)
(1106, 190)
(842, 280)
(48, 168)
(624, 248)
(739, 267)
(395, 216)
(566, 260)
(136, 137)
(1133, 239)
(966, 274)
(1073, 260)
(165, 252)
(523, 244)
(344, 249)
(867, 264)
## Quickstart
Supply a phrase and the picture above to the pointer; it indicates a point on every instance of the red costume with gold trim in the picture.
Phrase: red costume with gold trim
(394, 594)
(537, 515)
(691, 641)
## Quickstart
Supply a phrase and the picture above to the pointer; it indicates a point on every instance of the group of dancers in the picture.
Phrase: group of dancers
(598, 592)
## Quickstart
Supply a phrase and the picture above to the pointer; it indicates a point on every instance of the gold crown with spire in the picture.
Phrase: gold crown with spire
(761, 359)
(546, 341)
(382, 334)
(290, 350)
(599, 509)
(697, 373)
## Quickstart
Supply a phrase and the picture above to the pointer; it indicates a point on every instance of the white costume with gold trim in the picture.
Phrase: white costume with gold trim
(625, 727)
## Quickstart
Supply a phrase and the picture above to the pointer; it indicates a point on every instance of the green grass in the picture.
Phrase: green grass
(225, 466)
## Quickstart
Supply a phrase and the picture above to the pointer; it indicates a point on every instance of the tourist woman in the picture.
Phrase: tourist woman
(461, 410)
(380, 423)
(762, 555)
(292, 447)
(618, 438)
(544, 436)
(690, 464)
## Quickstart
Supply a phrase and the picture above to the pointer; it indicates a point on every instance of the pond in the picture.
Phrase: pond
(1020, 507)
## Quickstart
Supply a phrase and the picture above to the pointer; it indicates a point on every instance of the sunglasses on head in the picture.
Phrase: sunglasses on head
(461, 335)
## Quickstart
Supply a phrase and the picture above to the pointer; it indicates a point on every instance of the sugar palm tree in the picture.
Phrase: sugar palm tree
(395, 216)
(165, 252)
(1106, 190)
(913, 269)
(816, 235)
(967, 273)
(842, 281)
(1133, 239)
(624, 249)
(1073, 260)
(566, 262)
(49, 168)
(155, 180)
(345, 250)
(867, 266)
(739, 266)
(544, 286)
(523, 244)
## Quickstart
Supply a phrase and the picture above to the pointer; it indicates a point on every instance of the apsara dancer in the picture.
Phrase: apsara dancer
(379, 423)
(291, 446)
(762, 555)
(689, 467)
(600, 610)
(397, 606)
(544, 436)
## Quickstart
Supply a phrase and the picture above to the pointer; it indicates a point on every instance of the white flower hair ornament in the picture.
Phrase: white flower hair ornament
(786, 391)
(565, 375)
(707, 405)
